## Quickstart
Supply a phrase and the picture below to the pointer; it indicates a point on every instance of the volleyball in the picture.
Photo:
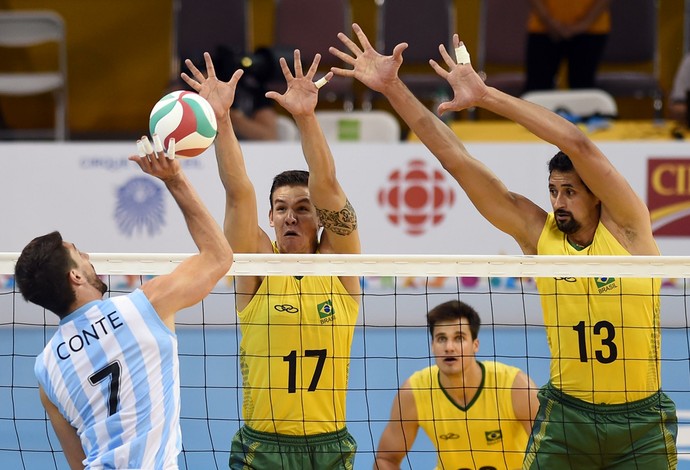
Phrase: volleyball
(186, 117)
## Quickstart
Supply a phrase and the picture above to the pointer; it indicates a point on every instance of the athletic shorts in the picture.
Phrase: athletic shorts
(569, 433)
(260, 450)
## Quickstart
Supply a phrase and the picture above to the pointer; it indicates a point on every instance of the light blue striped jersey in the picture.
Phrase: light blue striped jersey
(112, 370)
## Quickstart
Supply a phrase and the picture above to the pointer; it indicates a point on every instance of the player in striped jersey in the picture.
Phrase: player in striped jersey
(477, 414)
(109, 376)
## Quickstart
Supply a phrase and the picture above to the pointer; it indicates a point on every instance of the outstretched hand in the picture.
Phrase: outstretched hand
(302, 93)
(468, 87)
(218, 93)
(153, 161)
(371, 68)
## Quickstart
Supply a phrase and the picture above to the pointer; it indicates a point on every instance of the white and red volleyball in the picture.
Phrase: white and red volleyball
(186, 117)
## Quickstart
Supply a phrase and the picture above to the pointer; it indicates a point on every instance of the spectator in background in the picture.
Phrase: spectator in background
(572, 30)
(677, 100)
(253, 115)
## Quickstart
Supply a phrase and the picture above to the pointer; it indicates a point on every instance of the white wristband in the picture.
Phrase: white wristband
(461, 55)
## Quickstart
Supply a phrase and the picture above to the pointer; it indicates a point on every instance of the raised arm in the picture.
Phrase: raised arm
(623, 212)
(336, 214)
(241, 224)
(400, 432)
(194, 278)
(509, 212)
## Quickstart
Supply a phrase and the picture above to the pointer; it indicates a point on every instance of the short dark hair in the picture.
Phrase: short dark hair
(288, 178)
(41, 273)
(561, 162)
(454, 310)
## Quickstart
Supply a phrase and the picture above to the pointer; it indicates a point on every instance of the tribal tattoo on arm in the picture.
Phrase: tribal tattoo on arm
(342, 222)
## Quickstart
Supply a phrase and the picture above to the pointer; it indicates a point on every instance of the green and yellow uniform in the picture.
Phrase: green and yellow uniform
(483, 434)
(604, 337)
(294, 357)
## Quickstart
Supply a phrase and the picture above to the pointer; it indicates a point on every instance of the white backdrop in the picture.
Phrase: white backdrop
(405, 201)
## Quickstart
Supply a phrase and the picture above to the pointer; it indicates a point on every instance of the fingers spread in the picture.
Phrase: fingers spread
(210, 69)
(354, 48)
(438, 69)
(190, 81)
(343, 72)
(363, 40)
(285, 69)
(196, 73)
(298, 63)
(446, 57)
(314, 65)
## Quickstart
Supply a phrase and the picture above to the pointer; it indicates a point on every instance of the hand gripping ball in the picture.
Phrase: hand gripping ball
(186, 117)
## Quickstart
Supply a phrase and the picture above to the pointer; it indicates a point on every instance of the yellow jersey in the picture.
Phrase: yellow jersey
(569, 12)
(483, 434)
(295, 354)
(604, 332)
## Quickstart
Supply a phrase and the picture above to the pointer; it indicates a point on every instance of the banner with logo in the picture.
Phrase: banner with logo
(405, 201)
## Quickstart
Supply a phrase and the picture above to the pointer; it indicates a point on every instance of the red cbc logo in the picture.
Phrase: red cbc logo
(416, 197)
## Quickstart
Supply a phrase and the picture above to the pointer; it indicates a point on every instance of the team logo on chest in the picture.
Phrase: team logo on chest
(326, 311)
(605, 284)
(493, 437)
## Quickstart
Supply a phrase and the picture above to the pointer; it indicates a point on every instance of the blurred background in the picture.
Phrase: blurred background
(122, 56)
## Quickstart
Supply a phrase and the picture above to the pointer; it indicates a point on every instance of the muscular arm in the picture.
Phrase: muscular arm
(400, 432)
(67, 435)
(241, 222)
(509, 212)
(624, 213)
(194, 278)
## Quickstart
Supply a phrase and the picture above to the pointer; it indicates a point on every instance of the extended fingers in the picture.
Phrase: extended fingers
(363, 40)
(196, 73)
(314, 65)
(438, 69)
(235, 78)
(191, 82)
(349, 43)
(297, 61)
(446, 57)
(210, 69)
(285, 69)
(347, 58)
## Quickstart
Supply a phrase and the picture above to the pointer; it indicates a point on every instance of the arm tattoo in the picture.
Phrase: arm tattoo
(342, 222)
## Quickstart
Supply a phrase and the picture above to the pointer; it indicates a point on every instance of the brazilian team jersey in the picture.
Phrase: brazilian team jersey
(603, 332)
(295, 354)
(483, 435)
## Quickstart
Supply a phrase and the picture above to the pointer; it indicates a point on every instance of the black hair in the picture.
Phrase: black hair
(454, 310)
(561, 162)
(42, 274)
(288, 178)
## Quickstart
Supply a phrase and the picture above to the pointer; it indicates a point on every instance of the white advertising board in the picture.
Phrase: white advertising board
(405, 201)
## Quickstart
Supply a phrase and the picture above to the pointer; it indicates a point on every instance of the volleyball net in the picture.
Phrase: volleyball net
(391, 339)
